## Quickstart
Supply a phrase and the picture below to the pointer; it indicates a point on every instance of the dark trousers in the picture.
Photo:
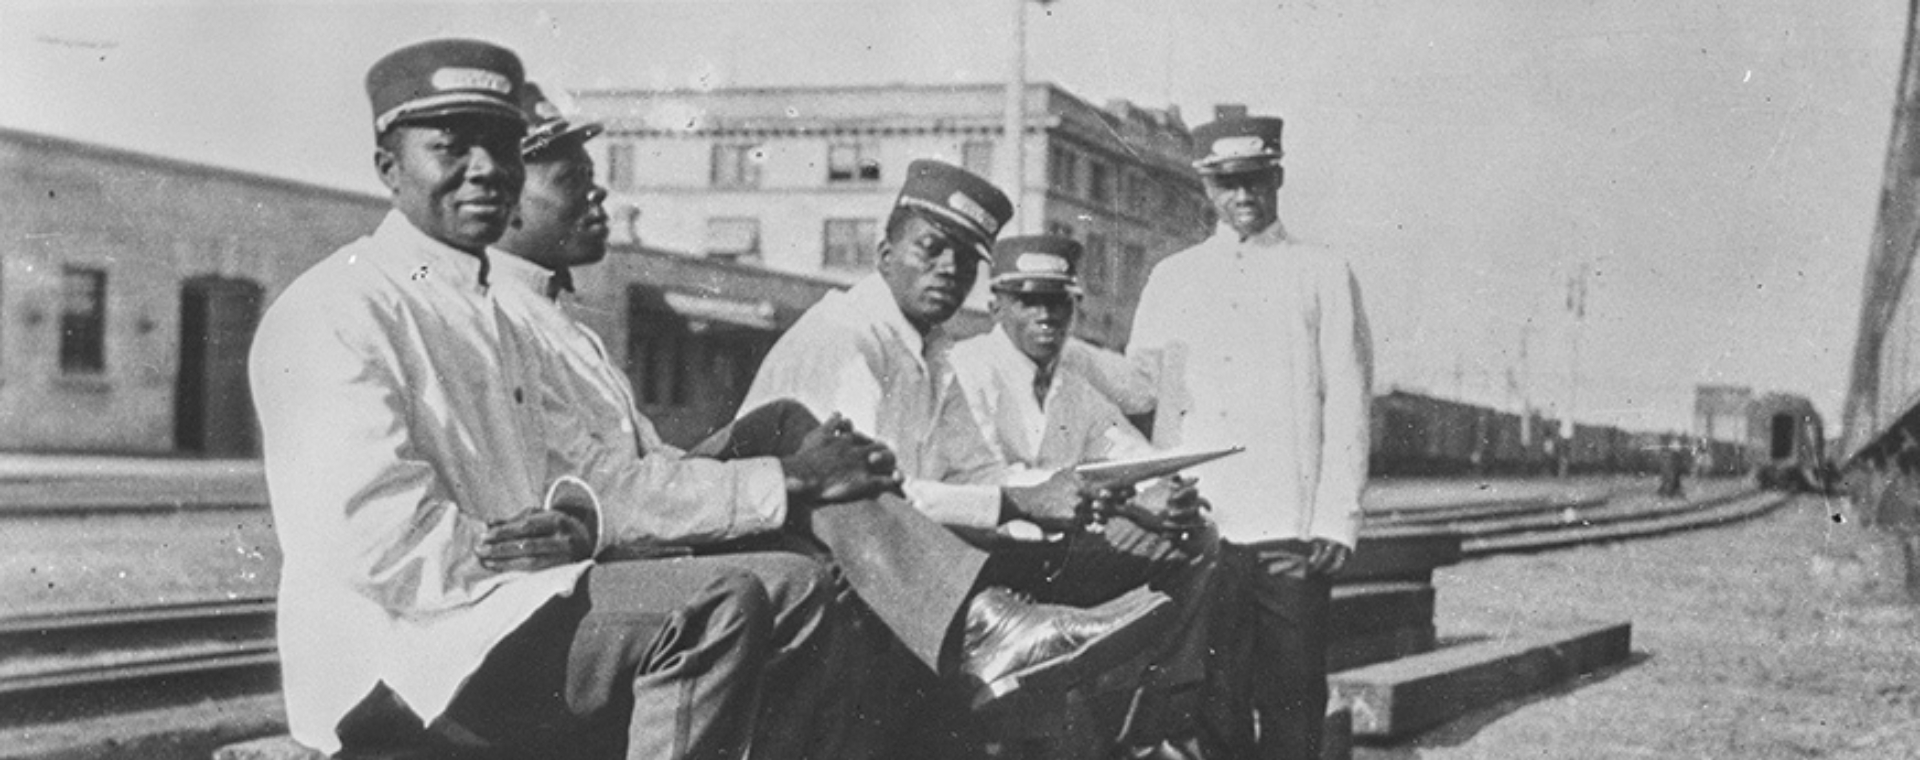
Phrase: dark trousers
(1267, 678)
(913, 573)
(663, 658)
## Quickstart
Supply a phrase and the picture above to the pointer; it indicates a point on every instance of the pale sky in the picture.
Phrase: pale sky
(1713, 168)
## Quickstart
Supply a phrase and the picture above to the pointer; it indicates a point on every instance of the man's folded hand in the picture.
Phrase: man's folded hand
(835, 463)
(535, 539)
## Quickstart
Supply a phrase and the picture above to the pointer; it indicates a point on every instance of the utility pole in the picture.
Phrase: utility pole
(1014, 123)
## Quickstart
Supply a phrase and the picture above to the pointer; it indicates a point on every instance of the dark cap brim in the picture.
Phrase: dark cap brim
(1237, 165)
(966, 234)
(535, 143)
(477, 105)
(1035, 284)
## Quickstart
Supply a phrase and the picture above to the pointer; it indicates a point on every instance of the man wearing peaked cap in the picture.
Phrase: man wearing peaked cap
(439, 590)
(877, 355)
(442, 77)
(1257, 339)
(1040, 414)
(666, 501)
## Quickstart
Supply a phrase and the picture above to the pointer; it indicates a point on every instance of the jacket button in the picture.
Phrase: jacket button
(518, 397)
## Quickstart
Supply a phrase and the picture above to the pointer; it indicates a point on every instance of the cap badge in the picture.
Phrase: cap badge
(1239, 147)
(1040, 263)
(460, 78)
(966, 207)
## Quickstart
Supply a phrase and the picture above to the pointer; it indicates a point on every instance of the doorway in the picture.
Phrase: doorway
(212, 405)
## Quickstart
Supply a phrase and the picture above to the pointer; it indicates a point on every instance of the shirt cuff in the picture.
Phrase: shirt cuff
(567, 494)
(962, 506)
(760, 503)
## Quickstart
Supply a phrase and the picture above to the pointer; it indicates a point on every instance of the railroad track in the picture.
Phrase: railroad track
(62, 663)
(1546, 523)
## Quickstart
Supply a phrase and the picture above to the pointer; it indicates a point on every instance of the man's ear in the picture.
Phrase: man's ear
(1279, 176)
(388, 165)
(882, 254)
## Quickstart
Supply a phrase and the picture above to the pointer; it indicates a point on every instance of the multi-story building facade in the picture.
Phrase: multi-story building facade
(799, 179)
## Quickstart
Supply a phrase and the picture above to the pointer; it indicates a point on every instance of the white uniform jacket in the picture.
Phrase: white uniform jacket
(1263, 343)
(1078, 423)
(651, 499)
(855, 354)
(400, 417)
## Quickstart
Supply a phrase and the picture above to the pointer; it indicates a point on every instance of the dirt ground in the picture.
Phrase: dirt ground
(1785, 637)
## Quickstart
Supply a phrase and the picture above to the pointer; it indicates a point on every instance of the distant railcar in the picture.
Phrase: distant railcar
(1787, 443)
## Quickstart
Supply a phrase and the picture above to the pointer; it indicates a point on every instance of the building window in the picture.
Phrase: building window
(977, 156)
(849, 243)
(852, 162)
(733, 236)
(1133, 194)
(737, 165)
(83, 321)
(1099, 183)
(1094, 268)
(1133, 268)
(1063, 170)
(658, 350)
(620, 175)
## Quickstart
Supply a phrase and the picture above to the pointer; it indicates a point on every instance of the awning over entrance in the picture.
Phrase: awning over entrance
(702, 310)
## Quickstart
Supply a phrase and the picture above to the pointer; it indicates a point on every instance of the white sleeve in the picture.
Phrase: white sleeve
(1346, 354)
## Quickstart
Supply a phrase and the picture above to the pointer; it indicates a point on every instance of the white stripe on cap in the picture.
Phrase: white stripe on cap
(443, 100)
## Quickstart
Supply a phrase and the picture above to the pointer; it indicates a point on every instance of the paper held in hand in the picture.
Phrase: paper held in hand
(1127, 472)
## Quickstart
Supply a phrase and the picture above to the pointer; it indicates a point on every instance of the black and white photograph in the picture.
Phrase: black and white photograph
(987, 380)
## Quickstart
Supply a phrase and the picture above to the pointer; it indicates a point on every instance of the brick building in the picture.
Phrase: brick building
(130, 287)
(799, 179)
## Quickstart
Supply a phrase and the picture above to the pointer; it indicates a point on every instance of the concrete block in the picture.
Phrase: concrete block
(1397, 698)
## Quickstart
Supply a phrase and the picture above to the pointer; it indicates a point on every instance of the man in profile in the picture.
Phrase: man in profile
(910, 570)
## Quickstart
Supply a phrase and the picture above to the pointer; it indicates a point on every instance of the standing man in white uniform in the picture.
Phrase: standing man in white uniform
(1256, 339)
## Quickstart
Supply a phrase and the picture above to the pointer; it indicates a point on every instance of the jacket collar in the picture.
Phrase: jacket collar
(1274, 234)
(509, 267)
(874, 301)
(438, 257)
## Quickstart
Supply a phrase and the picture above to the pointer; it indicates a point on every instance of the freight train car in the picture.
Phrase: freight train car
(1420, 435)
(1880, 438)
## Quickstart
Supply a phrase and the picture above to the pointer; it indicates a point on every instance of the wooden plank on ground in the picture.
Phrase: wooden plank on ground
(1379, 646)
(1400, 558)
(1364, 608)
(1397, 698)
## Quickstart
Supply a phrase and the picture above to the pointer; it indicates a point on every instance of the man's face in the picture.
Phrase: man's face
(561, 220)
(456, 178)
(929, 269)
(1249, 202)
(1038, 323)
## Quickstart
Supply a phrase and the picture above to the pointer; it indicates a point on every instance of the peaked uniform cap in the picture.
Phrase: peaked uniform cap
(436, 78)
(1235, 145)
(1037, 264)
(549, 125)
(959, 199)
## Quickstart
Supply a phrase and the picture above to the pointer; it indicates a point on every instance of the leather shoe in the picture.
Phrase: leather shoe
(1012, 642)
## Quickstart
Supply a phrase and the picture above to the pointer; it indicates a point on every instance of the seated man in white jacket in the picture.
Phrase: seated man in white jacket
(1040, 412)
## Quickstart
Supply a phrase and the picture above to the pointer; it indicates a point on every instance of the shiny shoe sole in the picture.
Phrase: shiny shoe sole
(1090, 659)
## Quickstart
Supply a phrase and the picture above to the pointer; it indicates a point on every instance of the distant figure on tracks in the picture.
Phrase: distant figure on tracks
(1255, 338)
